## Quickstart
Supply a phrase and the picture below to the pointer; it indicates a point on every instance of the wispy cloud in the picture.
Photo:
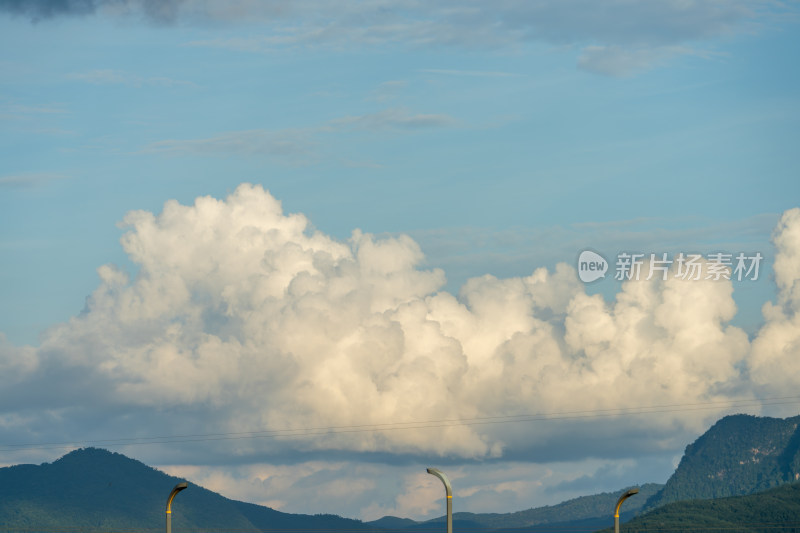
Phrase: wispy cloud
(301, 142)
(470, 73)
(257, 44)
(28, 179)
(44, 119)
(10, 109)
(388, 90)
(248, 142)
(118, 77)
(393, 119)
(622, 61)
(36, 109)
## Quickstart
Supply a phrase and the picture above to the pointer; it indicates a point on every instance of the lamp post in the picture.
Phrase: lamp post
(622, 498)
(179, 487)
(449, 491)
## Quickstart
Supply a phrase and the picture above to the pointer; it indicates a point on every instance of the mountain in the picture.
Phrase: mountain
(774, 511)
(93, 490)
(740, 454)
(97, 490)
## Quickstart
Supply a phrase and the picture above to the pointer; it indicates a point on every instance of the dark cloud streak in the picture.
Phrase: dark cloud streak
(157, 11)
(44, 9)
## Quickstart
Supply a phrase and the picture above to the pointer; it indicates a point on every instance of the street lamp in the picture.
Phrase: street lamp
(449, 491)
(179, 487)
(622, 498)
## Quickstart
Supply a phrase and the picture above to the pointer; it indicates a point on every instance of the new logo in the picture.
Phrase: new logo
(591, 266)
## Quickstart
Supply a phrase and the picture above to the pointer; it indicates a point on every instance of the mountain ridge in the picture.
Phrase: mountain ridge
(581, 508)
(94, 489)
(738, 455)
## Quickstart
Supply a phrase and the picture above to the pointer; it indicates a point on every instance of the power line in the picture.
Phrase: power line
(416, 424)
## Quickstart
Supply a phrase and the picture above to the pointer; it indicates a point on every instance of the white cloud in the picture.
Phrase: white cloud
(269, 326)
(16, 362)
(775, 363)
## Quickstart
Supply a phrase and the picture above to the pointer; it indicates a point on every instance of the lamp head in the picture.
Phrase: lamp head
(624, 497)
(441, 475)
(175, 490)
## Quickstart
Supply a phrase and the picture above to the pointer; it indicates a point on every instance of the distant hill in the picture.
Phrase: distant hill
(740, 454)
(584, 507)
(97, 490)
(774, 511)
(586, 512)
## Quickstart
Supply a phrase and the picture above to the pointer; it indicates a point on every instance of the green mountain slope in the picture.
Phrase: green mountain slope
(97, 490)
(774, 511)
(740, 454)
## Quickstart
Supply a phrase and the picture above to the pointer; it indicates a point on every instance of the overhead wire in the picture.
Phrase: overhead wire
(304, 432)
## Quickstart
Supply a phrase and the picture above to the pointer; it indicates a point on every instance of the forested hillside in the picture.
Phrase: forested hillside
(774, 511)
(740, 454)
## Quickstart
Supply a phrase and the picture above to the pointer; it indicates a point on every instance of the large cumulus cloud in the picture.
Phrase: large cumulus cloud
(775, 362)
(250, 320)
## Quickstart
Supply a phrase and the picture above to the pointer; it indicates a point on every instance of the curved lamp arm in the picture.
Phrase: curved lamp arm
(622, 498)
(449, 491)
(179, 487)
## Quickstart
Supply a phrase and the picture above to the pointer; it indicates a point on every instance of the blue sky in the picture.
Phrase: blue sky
(500, 138)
